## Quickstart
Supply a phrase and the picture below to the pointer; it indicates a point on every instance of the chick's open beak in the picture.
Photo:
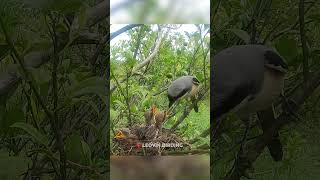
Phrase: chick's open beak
(120, 135)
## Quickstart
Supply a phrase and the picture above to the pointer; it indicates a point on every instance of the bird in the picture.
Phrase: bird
(125, 136)
(182, 86)
(247, 79)
(124, 133)
(149, 115)
(160, 118)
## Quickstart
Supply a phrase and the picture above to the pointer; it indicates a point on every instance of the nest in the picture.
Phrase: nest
(148, 141)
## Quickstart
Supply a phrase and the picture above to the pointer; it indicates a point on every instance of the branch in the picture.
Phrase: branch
(138, 43)
(188, 110)
(9, 81)
(215, 12)
(56, 123)
(106, 39)
(148, 60)
(87, 38)
(124, 96)
(292, 27)
(152, 55)
(304, 45)
(124, 29)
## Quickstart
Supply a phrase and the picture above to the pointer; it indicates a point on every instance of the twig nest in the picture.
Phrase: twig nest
(146, 140)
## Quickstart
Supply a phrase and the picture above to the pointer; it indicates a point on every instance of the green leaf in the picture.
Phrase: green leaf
(2, 117)
(66, 6)
(62, 28)
(37, 45)
(90, 124)
(39, 137)
(40, 75)
(4, 50)
(226, 138)
(78, 150)
(86, 153)
(11, 167)
(89, 101)
(82, 18)
(288, 48)
(9, 117)
(44, 89)
(113, 114)
(93, 85)
(66, 64)
(241, 34)
(74, 148)
(315, 16)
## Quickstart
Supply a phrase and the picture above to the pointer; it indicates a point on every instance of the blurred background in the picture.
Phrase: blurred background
(159, 168)
(164, 11)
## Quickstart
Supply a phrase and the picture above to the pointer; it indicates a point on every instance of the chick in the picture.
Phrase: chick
(125, 134)
(160, 118)
(122, 133)
(150, 115)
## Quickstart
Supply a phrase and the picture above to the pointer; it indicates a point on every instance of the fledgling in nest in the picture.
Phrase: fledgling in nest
(160, 118)
(149, 115)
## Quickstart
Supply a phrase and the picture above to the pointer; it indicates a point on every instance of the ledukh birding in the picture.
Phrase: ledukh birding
(248, 79)
(184, 85)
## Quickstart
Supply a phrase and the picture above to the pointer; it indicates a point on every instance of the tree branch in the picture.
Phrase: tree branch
(189, 109)
(9, 81)
(304, 45)
(149, 59)
(124, 29)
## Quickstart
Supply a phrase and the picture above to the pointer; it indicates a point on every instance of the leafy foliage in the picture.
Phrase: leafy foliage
(52, 117)
(181, 53)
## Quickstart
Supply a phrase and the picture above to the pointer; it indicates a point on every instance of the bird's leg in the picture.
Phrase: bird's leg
(174, 105)
(194, 104)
